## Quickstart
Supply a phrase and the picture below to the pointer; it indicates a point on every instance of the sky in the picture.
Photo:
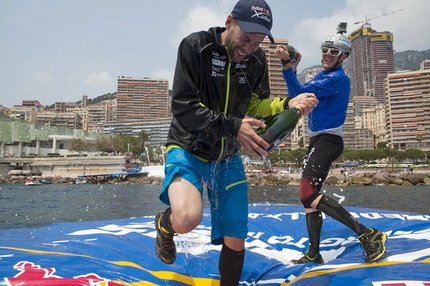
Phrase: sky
(59, 50)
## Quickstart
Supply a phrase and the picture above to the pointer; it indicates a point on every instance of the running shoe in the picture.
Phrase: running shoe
(164, 243)
(307, 259)
(373, 243)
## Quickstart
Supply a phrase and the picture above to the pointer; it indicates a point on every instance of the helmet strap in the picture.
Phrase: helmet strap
(338, 63)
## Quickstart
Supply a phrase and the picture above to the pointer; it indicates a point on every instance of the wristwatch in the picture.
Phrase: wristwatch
(284, 62)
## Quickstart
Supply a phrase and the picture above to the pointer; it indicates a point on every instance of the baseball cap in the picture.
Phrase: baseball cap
(254, 16)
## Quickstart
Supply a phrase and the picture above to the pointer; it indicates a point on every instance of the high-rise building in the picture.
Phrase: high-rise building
(407, 105)
(371, 60)
(278, 88)
(142, 98)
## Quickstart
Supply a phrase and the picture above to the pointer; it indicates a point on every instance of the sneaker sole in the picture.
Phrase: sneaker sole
(165, 261)
(384, 249)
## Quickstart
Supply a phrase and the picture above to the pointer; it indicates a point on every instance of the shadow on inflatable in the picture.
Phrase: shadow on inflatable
(121, 252)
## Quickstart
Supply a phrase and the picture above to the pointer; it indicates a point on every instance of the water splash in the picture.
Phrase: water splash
(341, 198)
(269, 163)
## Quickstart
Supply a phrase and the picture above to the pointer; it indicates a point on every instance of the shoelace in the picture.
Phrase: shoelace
(368, 246)
(167, 240)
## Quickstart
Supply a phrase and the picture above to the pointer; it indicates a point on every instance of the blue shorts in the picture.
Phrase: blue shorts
(226, 185)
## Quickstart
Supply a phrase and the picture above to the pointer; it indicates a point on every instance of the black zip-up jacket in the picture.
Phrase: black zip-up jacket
(211, 95)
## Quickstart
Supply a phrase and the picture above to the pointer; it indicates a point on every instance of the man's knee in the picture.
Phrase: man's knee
(308, 190)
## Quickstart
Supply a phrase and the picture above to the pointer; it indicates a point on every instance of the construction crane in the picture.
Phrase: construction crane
(366, 20)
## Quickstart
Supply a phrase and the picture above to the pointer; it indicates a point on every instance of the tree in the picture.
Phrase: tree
(297, 156)
(78, 145)
(382, 145)
(301, 142)
(104, 144)
(366, 156)
(415, 154)
(398, 156)
(350, 155)
(143, 137)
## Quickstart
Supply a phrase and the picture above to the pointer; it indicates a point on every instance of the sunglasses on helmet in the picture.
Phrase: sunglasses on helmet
(332, 51)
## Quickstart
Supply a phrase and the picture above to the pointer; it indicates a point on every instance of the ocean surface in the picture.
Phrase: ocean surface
(31, 207)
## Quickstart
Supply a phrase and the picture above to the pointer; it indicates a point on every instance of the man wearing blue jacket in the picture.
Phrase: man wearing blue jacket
(331, 87)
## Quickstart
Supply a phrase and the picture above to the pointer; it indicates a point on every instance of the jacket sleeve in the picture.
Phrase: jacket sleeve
(321, 86)
(260, 104)
(187, 103)
(265, 107)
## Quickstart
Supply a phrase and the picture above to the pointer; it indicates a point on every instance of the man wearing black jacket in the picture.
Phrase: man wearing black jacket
(220, 81)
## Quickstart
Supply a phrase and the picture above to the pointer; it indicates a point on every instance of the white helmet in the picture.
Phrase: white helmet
(338, 40)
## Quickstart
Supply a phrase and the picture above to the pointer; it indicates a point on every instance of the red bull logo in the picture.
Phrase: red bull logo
(32, 274)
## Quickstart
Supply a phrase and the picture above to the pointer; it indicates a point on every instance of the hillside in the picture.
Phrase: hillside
(410, 60)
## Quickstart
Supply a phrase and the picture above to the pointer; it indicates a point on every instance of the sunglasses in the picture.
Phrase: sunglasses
(333, 52)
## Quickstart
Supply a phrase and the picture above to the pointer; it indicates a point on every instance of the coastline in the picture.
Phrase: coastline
(336, 178)
(66, 170)
(358, 178)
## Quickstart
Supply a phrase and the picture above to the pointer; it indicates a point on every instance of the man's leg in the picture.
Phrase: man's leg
(231, 261)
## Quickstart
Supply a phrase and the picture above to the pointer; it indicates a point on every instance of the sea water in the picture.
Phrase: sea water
(31, 207)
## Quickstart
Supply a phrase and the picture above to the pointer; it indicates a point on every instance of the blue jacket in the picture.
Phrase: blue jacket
(332, 90)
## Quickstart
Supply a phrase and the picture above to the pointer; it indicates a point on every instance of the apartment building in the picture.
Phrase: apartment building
(60, 119)
(142, 98)
(28, 113)
(407, 108)
(277, 84)
(61, 106)
(356, 137)
(311, 73)
(371, 60)
(33, 103)
(158, 129)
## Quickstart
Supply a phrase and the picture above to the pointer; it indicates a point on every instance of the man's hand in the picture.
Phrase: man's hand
(250, 141)
(281, 52)
(305, 101)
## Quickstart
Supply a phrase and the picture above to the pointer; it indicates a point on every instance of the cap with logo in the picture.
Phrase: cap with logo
(254, 16)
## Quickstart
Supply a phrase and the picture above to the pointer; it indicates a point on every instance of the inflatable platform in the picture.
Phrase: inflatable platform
(121, 252)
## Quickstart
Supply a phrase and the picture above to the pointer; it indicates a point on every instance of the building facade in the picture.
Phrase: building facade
(157, 129)
(371, 60)
(277, 84)
(142, 98)
(407, 109)
(60, 119)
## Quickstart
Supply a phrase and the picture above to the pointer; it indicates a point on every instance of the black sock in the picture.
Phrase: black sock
(331, 208)
(230, 266)
(314, 223)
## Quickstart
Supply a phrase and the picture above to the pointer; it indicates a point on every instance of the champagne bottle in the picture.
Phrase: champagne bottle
(279, 127)
(292, 52)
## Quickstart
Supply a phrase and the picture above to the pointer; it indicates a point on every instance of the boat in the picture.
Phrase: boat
(79, 181)
(46, 181)
(82, 253)
(31, 182)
